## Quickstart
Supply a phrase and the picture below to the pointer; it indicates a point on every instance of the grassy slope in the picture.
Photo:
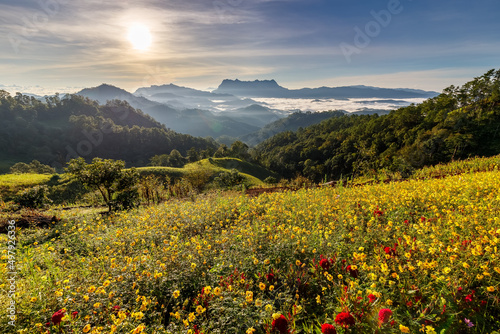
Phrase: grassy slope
(445, 239)
(253, 174)
(12, 183)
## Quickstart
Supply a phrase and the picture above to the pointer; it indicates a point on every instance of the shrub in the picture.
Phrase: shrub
(34, 198)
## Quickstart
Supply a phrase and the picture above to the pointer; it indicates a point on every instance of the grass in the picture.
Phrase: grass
(10, 184)
(253, 174)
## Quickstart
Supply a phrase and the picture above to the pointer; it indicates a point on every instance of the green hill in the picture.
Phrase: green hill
(459, 123)
(57, 130)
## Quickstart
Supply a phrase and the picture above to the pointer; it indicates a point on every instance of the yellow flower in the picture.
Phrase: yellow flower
(276, 315)
(446, 270)
(86, 298)
(430, 330)
(388, 302)
(271, 287)
(269, 308)
(193, 265)
(318, 299)
(466, 265)
(200, 309)
(91, 289)
(106, 283)
(86, 329)
(404, 329)
(176, 294)
(249, 296)
(217, 291)
(298, 263)
(191, 317)
(251, 330)
(262, 286)
(207, 290)
(138, 329)
(490, 288)
(258, 302)
(34, 299)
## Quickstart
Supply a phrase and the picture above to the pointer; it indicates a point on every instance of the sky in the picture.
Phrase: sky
(62, 46)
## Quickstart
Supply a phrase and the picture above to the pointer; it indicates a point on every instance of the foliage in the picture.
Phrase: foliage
(34, 198)
(35, 167)
(57, 130)
(117, 186)
(228, 179)
(459, 123)
(387, 258)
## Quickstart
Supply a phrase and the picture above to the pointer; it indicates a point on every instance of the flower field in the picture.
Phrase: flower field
(410, 257)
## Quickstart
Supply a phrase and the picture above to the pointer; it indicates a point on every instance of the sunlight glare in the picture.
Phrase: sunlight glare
(139, 36)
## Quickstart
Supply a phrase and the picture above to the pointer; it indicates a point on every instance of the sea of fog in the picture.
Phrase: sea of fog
(349, 105)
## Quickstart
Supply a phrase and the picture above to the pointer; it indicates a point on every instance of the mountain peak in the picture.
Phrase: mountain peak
(250, 88)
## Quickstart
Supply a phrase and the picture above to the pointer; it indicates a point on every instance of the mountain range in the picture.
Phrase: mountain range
(231, 111)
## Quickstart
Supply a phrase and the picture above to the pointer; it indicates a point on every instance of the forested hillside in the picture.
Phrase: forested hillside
(57, 130)
(460, 122)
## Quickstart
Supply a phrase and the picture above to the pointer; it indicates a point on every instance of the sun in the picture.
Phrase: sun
(139, 36)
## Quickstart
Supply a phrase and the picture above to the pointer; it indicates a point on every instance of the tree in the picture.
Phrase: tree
(116, 185)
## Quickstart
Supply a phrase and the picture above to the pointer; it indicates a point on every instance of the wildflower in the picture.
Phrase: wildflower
(344, 319)
(138, 329)
(262, 286)
(176, 294)
(249, 296)
(191, 317)
(404, 329)
(430, 330)
(271, 287)
(468, 322)
(74, 314)
(318, 299)
(325, 264)
(490, 288)
(384, 315)
(217, 291)
(280, 324)
(269, 308)
(200, 309)
(328, 329)
(372, 298)
(352, 270)
(251, 330)
(57, 317)
(34, 299)
(258, 302)
(86, 329)
(298, 263)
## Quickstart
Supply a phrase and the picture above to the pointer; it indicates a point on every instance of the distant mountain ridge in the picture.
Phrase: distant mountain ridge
(271, 89)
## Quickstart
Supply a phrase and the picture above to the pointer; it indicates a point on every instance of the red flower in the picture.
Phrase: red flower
(57, 317)
(469, 297)
(270, 277)
(280, 324)
(74, 314)
(384, 315)
(328, 329)
(345, 319)
(372, 298)
(325, 264)
(353, 272)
